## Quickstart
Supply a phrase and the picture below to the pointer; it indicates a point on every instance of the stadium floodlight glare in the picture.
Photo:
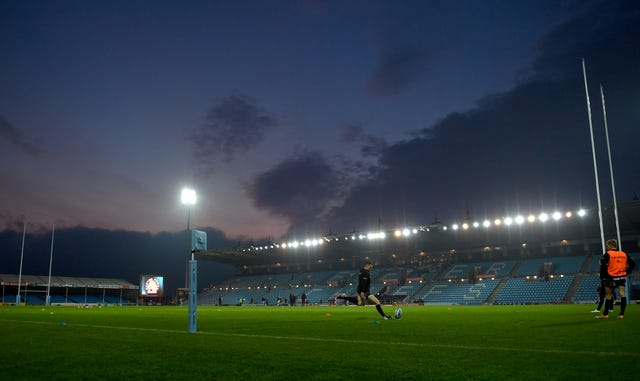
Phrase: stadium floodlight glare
(556, 215)
(519, 220)
(497, 222)
(486, 223)
(454, 226)
(582, 212)
(531, 218)
(406, 232)
(188, 196)
(476, 224)
(543, 217)
(508, 221)
(568, 214)
(465, 226)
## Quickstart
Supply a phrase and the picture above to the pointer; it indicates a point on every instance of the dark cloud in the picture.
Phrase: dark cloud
(396, 70)
(370, 145)
(300, 188)
(525, 149)
(233, 125)
(84, 252)
(12, 135)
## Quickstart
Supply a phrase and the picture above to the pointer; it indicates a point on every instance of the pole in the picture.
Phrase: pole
(48, 299)
(593, 151)
(24, 232)
(186, 272)
(613, 184)
(193, 296)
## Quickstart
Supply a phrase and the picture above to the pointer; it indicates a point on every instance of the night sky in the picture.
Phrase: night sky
(299, 118)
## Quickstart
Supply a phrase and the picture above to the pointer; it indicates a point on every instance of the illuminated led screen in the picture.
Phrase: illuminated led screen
(151, 285)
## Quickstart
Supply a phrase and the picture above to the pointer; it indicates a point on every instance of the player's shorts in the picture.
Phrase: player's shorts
(618, 281)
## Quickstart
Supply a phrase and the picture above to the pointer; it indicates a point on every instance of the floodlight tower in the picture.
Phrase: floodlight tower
(188, 198)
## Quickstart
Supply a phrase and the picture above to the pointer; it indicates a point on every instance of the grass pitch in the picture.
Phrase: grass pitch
(318, 343)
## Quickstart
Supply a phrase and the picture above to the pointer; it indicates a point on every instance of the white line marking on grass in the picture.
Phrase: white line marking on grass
(343, 341)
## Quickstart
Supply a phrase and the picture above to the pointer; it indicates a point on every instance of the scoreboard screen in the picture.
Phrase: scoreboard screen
(151, 285)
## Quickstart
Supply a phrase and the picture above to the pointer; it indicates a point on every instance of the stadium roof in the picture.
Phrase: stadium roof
(543, 228)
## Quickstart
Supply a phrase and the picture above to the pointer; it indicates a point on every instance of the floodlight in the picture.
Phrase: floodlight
(188, 196)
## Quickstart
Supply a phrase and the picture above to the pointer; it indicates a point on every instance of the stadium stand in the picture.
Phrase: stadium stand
(565, 279)
(68, 290)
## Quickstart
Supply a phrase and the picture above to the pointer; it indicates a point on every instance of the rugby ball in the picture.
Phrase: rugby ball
(398, 313)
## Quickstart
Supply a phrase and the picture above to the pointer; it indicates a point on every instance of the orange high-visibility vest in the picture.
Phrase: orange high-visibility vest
(617, 263)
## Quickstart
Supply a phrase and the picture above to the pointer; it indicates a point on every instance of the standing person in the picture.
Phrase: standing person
(364, 293)
(601, 295)
(615, 265)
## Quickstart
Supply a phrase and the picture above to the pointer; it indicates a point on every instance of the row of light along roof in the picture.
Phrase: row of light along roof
(406, 232)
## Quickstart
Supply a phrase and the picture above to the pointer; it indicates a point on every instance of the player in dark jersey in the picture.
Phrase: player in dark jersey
(364, 291)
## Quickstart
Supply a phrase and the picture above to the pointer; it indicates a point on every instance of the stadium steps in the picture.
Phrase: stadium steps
(503, 281)
(572, 289)
(586, 265)
(515, 269)
(496, 291)
(420, 292)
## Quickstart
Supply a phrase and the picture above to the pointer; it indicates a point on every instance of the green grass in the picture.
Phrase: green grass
(544, 342)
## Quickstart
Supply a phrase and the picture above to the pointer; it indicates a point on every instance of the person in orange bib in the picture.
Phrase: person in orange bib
(615, 265)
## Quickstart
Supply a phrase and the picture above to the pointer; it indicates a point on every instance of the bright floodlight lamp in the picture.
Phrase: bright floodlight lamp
(556, 216)
(582, 212)
(188, 196)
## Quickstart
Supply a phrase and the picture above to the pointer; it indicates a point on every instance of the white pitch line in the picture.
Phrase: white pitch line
(343, 341)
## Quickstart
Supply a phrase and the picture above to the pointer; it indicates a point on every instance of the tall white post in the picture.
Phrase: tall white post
(593, 151)
(24, 232)
(48, 299)
(613, 184)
